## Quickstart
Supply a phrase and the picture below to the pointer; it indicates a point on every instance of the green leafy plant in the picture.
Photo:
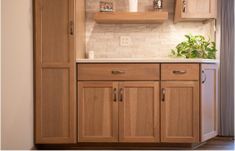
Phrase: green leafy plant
(195, 47)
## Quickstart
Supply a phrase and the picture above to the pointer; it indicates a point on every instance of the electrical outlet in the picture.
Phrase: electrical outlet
(125, 41)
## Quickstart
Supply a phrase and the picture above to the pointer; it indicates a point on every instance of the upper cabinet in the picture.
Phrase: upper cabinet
(195, 10)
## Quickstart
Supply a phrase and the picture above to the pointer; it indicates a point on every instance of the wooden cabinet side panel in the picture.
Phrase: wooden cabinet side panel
(209, 101)
(98, 112)
(55, 97)
(180, 112)
(139, 112)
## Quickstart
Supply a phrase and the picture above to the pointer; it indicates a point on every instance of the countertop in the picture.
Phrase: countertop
(146, 60)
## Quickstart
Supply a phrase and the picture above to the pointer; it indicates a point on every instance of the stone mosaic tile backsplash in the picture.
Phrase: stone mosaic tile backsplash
(147, 40)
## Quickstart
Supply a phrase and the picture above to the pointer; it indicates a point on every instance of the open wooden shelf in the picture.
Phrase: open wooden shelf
(131, 17)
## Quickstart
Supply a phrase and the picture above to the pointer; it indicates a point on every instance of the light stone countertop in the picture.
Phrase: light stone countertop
(146, 60)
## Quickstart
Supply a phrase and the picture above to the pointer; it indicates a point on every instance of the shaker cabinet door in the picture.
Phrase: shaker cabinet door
(98, 112)
(180, 112)
(139, 112)
(199, 8)
(55, 96)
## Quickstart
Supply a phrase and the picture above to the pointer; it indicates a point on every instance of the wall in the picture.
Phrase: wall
(17, 74)
(147, 40)
(0, 72)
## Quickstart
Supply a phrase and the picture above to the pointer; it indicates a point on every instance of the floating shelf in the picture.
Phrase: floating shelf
(131, 17)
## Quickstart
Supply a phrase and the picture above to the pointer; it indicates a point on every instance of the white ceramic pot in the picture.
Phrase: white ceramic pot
(133, 5)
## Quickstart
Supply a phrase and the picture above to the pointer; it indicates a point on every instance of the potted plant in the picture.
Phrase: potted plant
(195, 47)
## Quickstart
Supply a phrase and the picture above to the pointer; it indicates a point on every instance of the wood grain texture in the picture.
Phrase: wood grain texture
(131, 17)
(209, 101)
(180, 112)
(191, 72)
(147, 72)
(98, 112)
(55, 97)
(139, 112)
(80, 29)
(195, 10)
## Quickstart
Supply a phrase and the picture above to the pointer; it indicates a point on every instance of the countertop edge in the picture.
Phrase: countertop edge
(147, 61)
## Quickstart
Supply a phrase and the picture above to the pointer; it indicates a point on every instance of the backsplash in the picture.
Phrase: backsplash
(147, 40)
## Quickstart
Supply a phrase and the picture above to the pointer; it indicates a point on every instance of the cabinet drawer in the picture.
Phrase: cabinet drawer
(144, 72)
(180, 72)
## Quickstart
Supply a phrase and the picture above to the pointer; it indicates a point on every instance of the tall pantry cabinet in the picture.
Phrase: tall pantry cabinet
(55, 84)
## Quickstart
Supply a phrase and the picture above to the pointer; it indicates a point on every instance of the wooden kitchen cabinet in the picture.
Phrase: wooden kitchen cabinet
(180, 111)
(139, 112)
(209, 101)
(131, 106)
(195, 10)
(55, 95)
(98, 112)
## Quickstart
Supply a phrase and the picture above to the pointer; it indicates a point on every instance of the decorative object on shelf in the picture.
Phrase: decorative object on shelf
(195, 47)
(91, 55)
(133, 5)
(157, 4)
(106, 6)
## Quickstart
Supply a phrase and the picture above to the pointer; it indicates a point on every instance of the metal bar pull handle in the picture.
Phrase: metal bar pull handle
(204, 77)
(163, 94)
(179, 71)
(71, 28)
(121, 95)
(115, 94)
(118, 72)
(184, 6)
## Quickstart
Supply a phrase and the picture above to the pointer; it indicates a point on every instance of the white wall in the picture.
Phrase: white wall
(17, 74)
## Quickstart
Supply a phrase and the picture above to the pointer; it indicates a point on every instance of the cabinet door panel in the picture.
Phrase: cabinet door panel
(55, 100)
(200, 9)
(139, 112)
(98, 119)
(209, 102)
(180, 112)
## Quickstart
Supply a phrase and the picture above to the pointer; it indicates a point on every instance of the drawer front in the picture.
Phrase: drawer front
(144, 72)
(180, 72)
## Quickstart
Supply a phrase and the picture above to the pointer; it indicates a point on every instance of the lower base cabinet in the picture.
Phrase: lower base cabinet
(177, 104)
(118, 111)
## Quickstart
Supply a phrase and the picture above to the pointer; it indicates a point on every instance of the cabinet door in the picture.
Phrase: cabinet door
(139, 112)
(209, 101)
(55, 104)
(199, 8)
(98, 112)
(180, 112)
